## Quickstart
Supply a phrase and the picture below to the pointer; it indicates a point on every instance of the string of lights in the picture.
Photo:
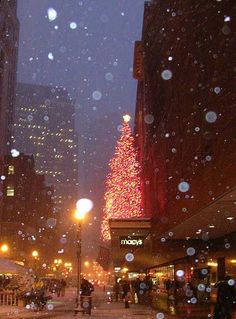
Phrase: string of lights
(123, 194)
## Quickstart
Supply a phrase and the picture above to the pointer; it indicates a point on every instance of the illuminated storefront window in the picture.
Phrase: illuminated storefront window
(11, 170)
(10, 191)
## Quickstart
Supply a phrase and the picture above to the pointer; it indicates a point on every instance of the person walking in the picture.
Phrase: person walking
(225, 297)
(148, 288)
(63, 287)
(86, 287)
(136, 287)
(116, 291)
(126, 292)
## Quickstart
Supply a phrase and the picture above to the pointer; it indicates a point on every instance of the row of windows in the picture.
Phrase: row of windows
(11, 170)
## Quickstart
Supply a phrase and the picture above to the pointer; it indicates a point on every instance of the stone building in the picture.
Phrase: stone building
(185, 129)
(27, 219)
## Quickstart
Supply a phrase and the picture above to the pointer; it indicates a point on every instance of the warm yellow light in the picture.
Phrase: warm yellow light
(79, 214)
(86, 263)
(69, 265)
(125, 269)
(4, 248)
(127, 118)
(211, 263)
(57, 262)
(233, 261)
(35, 253)
(84, 205)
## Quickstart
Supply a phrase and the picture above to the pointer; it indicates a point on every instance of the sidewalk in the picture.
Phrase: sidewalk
(63, 308)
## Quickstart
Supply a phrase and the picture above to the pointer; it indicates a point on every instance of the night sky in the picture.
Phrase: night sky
(88, 48)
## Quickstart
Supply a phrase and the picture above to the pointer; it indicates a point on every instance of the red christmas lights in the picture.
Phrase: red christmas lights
(123, 194)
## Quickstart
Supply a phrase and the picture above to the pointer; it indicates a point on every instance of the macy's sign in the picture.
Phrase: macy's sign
(133, 241)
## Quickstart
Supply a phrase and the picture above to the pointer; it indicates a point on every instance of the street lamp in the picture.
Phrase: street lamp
(35, 254)
(4, 248)
(83, 206)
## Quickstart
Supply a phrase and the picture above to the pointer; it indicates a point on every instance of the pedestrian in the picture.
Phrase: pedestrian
(225, 298)
(59, 288)
(126, 292)
(63, 287)
(167, 284)
(148, 288)
(86, 287)
(86, 299)
(136, 287)
(116, 291)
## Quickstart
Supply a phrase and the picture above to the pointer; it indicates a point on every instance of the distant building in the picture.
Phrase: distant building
(185, 128)
(9, 36)
(44, 126)
(27, 218)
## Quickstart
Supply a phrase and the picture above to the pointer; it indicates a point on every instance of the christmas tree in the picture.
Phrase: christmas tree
(123, 194)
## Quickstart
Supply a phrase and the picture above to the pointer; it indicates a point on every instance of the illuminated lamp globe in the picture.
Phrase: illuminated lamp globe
(84, 205)
(35, 254)
(4, 248)
(127, 118)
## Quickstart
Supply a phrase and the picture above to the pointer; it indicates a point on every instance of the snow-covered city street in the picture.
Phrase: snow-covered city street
(117, 159)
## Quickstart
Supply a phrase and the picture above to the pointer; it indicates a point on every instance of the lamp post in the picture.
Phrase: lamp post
(35, 255)
(83, 206)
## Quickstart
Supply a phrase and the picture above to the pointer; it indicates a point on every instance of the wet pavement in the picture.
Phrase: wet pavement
(102, 308)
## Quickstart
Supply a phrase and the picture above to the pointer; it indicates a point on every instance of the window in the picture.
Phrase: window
(11, 170)
(10, 191)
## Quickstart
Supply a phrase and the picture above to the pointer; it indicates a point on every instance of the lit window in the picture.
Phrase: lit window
(11, 169)
(10, 191)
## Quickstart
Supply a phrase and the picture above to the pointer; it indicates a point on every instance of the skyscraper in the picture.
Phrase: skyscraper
(44, 127)
(9, 34)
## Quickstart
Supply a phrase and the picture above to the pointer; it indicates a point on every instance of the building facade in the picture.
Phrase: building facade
(28, 219)
(44, 127)
(185, 132)
(9, 37)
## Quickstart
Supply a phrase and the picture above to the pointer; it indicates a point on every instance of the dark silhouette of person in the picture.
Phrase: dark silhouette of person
(136, 286)
(148, 288)
(126, 292)
(63, 287)
(225, 297)
(116, 290)
(86, 287)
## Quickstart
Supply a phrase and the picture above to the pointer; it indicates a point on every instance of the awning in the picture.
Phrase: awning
(9, 267)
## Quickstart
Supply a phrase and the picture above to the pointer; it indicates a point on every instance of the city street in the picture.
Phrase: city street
(63, 308)
(117, 159)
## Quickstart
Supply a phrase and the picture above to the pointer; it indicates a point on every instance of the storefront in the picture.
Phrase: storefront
(131, 246)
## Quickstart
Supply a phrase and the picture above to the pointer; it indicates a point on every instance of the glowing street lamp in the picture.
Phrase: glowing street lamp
(4, 248)
(57, 262)
(83, 206)
(35, 254)
(35, 266)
